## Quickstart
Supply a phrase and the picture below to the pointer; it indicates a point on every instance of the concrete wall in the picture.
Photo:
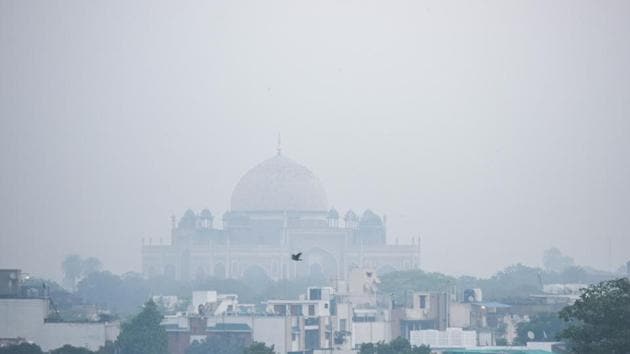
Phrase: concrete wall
(452, 337)
(178, 342)
(24, 318)
(459, 315)
(370, 332)
(274, 330)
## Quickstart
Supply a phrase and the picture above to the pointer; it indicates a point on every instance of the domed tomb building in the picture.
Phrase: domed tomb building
(278, 208)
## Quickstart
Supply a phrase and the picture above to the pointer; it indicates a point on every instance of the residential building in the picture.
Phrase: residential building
(24, 318)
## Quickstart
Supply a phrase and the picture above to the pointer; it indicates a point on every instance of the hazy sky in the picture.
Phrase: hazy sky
(493, 129)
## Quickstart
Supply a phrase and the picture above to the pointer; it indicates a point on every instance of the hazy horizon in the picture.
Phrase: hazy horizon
(494, 130)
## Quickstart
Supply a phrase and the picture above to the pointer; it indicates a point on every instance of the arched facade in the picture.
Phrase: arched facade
(279, 208)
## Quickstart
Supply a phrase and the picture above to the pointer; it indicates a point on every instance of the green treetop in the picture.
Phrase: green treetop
(599, 321)
(143, 334)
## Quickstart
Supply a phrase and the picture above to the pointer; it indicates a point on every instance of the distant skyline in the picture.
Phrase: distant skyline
(494, 130)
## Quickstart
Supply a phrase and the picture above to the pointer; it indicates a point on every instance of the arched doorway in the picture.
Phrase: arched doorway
(321, 262)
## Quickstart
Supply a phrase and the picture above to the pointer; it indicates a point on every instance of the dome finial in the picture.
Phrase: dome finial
(279, 147)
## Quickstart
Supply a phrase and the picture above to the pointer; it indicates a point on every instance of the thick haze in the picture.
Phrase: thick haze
(492, 129)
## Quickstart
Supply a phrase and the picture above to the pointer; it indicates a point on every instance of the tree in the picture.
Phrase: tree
(102, 288)
(573, 274)
(90, 265)
(367, 348)
(143, 334)
(544, 327)
(599, 321)
(421, 349)
(399, 345)
(259, 348)
(75, 268)
(555, 261)
(72, 267)
(62, 298)
(108, 348)
(121, 294)
(515, 281)
(22, 348)
(68, 349)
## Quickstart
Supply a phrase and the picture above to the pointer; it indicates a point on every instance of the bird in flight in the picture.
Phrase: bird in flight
(296, 257)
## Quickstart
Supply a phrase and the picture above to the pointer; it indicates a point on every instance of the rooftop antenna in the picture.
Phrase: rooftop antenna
(279, 147)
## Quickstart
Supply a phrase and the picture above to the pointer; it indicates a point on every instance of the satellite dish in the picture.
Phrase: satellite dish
(531, 335)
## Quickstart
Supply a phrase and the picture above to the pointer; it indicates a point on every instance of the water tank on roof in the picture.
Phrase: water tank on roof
(472, 295)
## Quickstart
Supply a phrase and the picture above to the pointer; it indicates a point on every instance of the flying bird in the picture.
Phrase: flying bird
(296, 257)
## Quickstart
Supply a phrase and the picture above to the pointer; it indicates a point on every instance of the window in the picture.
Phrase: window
(343, 324)
(423, 301)
(315, 294)
(311, 310)
(311, 339)
(296, 310)
(280, 309)
(311, 321)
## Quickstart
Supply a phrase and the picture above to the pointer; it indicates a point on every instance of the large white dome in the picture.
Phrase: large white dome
(279, 183)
